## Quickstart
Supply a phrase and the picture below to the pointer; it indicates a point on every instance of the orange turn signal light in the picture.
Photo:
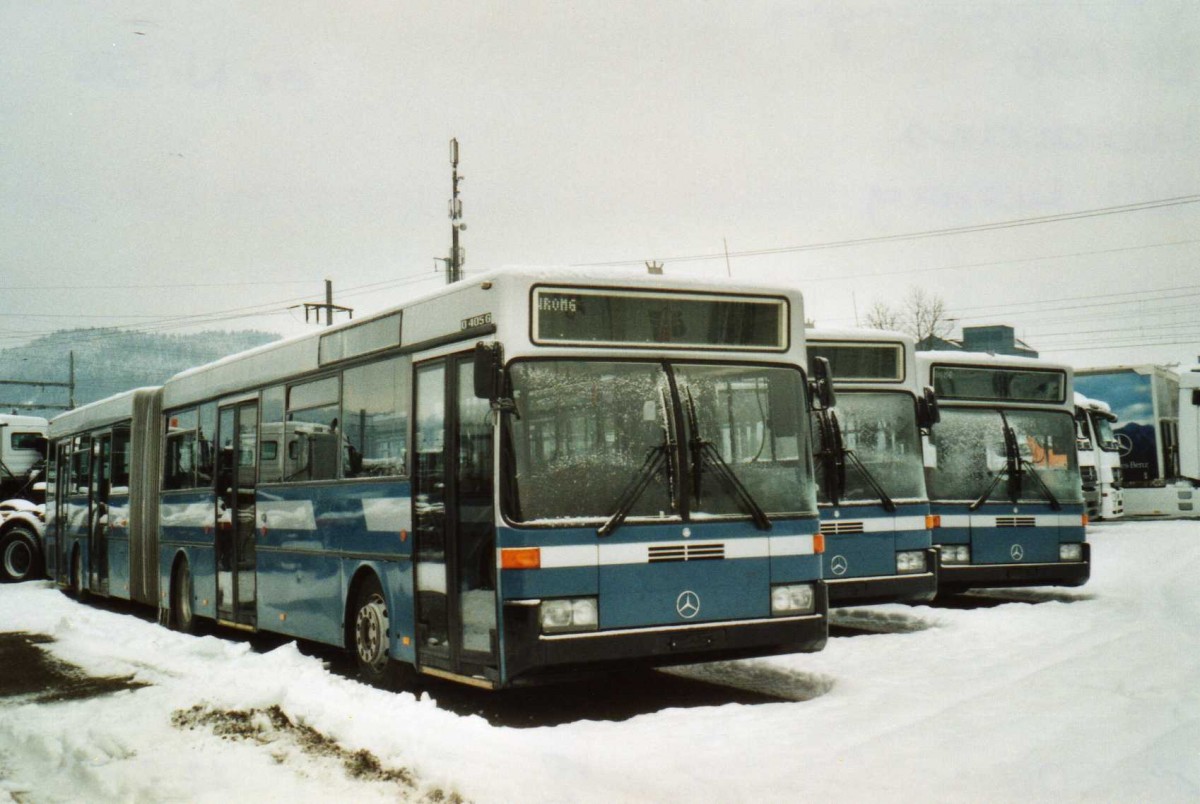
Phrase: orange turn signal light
(818, 543)
(518, 558)
(1085, 520)
(933, 521)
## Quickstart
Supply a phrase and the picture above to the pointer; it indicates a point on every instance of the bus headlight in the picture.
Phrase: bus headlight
(800, 598)
(955, 553)
(910, 561)
(1070, 552)
(569, 615)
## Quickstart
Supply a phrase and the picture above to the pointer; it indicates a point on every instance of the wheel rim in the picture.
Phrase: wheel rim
(18, 558)
(371, 630)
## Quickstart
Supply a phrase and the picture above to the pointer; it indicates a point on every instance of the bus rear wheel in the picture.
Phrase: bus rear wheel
(183, 617)
(79, 589)
(372, 637)
(20, 558)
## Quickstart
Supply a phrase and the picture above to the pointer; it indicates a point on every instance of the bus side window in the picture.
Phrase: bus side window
(375, 401)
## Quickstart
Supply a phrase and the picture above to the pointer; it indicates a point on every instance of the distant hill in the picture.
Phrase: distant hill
(108, 361)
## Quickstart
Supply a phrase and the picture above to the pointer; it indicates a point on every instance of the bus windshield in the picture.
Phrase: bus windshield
(585, 430)
(970, 451)
(1104, 434)
(880, 428)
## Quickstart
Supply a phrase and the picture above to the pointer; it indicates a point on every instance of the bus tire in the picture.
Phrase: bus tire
(182, 616)
(371, 636)
(20, 556)
(79, 589)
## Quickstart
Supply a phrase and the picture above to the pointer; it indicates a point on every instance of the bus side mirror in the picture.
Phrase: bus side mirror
(927, 409)
(822, 383)
(489, 357)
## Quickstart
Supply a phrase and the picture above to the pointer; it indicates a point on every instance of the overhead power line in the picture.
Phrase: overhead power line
(955, 230)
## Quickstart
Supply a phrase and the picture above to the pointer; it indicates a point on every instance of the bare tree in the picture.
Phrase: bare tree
(881, 316)
(921, 315)
(925, 315)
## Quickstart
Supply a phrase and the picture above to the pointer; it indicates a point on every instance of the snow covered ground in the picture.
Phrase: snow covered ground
(1091, 694)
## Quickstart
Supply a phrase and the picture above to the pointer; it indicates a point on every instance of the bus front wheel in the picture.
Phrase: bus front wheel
(372, 637)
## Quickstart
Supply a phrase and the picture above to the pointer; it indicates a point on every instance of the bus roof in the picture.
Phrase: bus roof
(427, 316)
(858, 334)
(99, 413)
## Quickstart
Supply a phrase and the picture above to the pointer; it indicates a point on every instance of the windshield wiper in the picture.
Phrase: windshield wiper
(832, 456)
(888, 504)
(703, 451)
(1011, 470)
(1033, 472)
(629, 495)
(656, 457)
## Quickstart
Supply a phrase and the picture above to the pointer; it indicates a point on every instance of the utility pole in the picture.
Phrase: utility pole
(456, 259)
(69, 385)
(328, 307)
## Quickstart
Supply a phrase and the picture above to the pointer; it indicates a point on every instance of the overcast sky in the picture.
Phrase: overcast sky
(160, 159)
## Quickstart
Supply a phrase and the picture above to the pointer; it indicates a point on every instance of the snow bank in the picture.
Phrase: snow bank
(1091, 694)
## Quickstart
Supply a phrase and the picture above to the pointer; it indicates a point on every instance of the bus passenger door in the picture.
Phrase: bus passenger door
(237, 473)
(454, 520)
(98, 521)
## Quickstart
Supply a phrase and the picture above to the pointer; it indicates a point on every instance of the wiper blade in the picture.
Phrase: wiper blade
(703, 451)
(630, 494)
(1011, 470)
(888, 504)
(656, 457)
(1033, 472)
(832, 456)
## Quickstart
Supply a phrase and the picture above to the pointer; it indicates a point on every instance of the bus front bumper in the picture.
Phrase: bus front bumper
(532, 657)
(886, 588)
(1062, 573)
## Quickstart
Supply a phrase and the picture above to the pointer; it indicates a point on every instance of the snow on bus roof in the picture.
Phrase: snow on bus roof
(1088, 403)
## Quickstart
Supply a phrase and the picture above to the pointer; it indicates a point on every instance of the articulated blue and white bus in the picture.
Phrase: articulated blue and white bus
(515, 478)
(870, 471)
(1002, 473)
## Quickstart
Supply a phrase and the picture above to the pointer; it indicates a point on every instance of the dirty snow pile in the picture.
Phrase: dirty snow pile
(1091, 694)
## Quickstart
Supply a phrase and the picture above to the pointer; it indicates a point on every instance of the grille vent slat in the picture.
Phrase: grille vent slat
(836, 527)
(1016, 522)
(685, 552)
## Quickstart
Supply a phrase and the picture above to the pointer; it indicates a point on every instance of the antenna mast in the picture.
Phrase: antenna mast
(457, 257)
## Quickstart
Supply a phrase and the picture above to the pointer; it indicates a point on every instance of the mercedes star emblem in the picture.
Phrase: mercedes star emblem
(838, 565)
(687, 604)
(1017, 552)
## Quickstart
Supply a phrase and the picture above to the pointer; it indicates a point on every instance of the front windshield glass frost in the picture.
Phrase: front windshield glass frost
(753, 417)
(582, 432)
(969, 446)
(881, 429)
(586, 429)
